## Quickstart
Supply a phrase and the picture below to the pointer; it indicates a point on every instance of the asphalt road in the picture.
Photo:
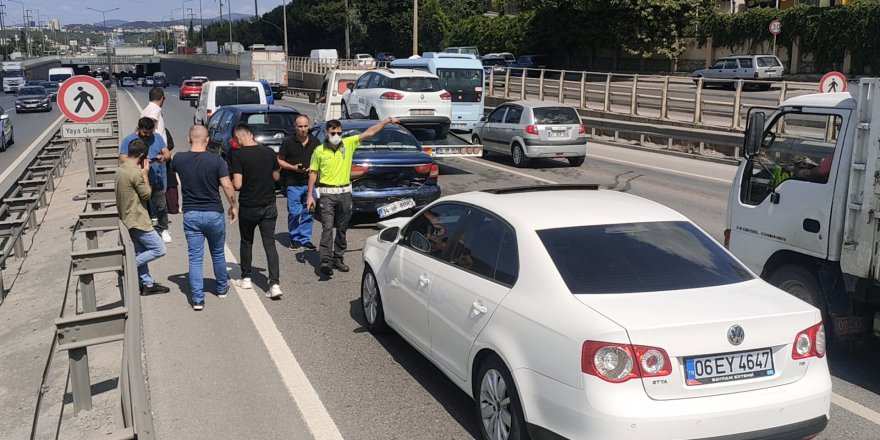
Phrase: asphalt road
(27, 127)
(379, 387)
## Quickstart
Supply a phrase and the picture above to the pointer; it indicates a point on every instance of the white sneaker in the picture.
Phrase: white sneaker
(166, 236)
(246, 283)
(274, 291)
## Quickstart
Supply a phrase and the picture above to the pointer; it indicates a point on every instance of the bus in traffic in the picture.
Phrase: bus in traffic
(462, 76)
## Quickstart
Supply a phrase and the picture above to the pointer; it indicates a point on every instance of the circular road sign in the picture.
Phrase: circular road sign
(83, 99)
(832, 82)
(775, 27)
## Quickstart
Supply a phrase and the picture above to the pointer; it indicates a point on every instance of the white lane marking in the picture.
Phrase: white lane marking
(305, 397)
(314, 413)
(665, 170)
(35, 144)
(855, 408)
(507, 170)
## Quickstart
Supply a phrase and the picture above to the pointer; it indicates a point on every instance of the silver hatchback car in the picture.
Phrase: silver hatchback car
(526, 130)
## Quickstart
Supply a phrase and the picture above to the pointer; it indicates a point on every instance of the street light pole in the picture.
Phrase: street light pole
(284, 11)
(347, 45)
(3, 32)
(183, 13)
(202, 28)
(106, 37)
(415, 27)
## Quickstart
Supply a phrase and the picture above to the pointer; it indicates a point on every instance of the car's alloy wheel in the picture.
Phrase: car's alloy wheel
(371, 303)
(476, 141)
(497, 403)
(519, 156)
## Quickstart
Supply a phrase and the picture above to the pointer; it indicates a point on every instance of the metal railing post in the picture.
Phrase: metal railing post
(522, 86)
(541, 86)
(737, 104)
(583, 100)
(782, 92)
(507, 83)
(80, 383)
(634, 96)
(607, 105)
(561, 87)
(664, 99)
(492, 82)
(698, 101)
(91, 161)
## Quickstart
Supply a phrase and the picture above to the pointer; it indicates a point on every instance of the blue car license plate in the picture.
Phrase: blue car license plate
(394, 208)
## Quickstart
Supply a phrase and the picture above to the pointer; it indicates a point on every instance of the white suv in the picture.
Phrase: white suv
(414, 96)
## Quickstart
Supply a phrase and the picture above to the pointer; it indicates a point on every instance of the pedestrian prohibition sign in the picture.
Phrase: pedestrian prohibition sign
(832, 82)
(83, 99)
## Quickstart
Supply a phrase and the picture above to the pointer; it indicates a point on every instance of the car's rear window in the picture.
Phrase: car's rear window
(32, 91)
(768, 62)
(639, 257)
(192, 83)
(388, 139)
(556, 115)
(416, 84)
(270, 120)
(232, 95)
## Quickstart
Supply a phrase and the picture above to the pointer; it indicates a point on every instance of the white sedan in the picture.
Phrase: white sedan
(572, 312)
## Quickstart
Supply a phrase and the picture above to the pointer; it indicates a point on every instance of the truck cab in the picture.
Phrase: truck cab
(801, 210)
(329, 100)
(13, 76)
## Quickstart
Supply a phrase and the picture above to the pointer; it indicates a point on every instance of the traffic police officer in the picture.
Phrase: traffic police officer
(330, 169)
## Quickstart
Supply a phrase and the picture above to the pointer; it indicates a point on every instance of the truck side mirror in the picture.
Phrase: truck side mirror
(312, 98)
(754, 133)
(349, 86)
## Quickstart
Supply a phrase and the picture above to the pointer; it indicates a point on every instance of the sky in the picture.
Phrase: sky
(74, 11)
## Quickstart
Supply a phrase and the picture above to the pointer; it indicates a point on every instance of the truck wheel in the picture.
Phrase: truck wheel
(802, 284)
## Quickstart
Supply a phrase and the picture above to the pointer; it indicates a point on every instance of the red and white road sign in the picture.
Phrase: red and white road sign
(832, 82)
(83, 99)
(775, 27)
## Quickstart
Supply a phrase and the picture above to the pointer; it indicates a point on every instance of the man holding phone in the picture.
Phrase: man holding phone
(294, 157)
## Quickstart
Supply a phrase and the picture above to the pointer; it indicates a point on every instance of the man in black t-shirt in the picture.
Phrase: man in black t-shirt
(294, 157)
(255, 170)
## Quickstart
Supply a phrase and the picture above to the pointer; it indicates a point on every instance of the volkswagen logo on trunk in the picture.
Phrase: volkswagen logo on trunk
(736, 335)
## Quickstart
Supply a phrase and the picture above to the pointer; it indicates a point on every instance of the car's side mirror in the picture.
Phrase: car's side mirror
(484, 119)
(194, 104)
(312, 98)
(420, 242)
(754, 133)
(349, 86)
(390, 235)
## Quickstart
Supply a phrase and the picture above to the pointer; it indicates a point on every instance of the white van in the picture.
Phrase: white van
(216, 94)
(328, 102)
(60, 74)
(324, 56)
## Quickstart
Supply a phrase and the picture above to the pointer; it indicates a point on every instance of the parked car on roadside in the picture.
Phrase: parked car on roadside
(745, 67)
(531, 129)
(32, 99)
(270, 123)
(388, 168)
(8, 136)
(566, 311)
(414, 96)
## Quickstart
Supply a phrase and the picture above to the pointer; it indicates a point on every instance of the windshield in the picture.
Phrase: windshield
(639, 257)
(232, 95)
(494, 62)
(387, 140)
(556, 115)
(416, 84)
(13, 74)
(270, 120)
(465, 85)
(32, 91)
(60, 77)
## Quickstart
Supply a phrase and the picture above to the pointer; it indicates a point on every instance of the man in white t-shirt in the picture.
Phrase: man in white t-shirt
(153, 110)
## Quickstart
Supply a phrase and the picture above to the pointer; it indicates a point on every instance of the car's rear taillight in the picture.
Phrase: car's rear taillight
(423, 169)
(809, 343)
(617, 363)
(727, 238)
(435, 171)
(446, 96)
(358, 171)
(532, 129)
(392, 96)
(582, 129)
(234, 144)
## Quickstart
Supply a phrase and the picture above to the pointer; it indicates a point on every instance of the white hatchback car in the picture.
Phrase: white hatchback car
(596, 315)
(414, 96)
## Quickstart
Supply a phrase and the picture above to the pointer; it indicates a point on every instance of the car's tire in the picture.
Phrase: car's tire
(344, 111)
(519, 156)
(476, 141)
(800, 283)
(12, 137)
(371, 303)
(3, 144)
(374, 115)
(493, 386)
(576, 161)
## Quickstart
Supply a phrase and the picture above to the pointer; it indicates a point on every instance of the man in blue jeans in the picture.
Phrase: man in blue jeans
(294, 156)
(201, 174)
(132, 194)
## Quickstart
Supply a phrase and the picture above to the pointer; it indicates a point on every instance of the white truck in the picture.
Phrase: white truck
(804, 207)
(268, 63)
(13, 76)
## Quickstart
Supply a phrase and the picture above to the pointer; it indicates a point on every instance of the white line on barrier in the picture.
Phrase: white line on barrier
(35, 144)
